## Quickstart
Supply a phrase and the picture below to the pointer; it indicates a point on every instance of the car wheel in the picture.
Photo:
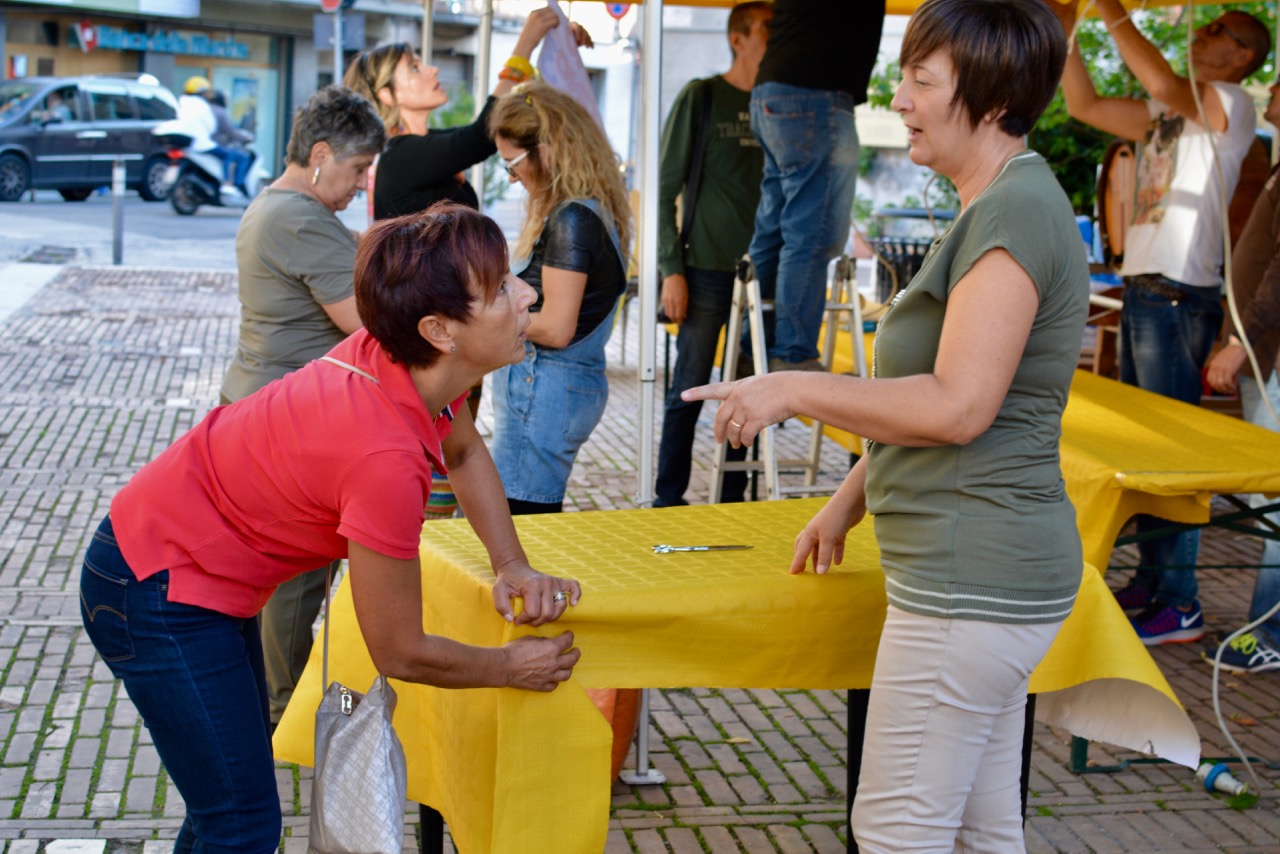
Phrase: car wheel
(185, 196)
(76, 194)
(152, 188)
(15, 177)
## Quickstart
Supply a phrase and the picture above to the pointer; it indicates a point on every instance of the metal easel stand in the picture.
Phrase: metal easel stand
(643, 775)
(1265, 528)
(1079, 762)
(842, 304)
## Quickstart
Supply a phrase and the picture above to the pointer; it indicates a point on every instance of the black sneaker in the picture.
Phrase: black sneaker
(1132, 597)
(1248, 654)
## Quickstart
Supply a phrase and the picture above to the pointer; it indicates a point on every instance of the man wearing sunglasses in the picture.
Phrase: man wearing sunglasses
(1173, 248)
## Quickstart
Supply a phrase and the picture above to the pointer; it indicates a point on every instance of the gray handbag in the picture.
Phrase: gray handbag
(359, 790)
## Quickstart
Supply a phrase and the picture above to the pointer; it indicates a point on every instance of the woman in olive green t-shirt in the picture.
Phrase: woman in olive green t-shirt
(973, 364)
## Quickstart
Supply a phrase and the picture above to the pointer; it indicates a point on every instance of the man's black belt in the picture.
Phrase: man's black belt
(1156, 284)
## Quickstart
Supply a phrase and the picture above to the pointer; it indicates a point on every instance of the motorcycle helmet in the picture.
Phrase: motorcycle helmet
(196, 85)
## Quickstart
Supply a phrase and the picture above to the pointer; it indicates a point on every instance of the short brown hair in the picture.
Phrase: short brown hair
(741, 16)
(438, 261)
(1008, 56)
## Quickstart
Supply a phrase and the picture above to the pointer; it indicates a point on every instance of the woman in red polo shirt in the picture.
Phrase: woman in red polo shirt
(332, 461)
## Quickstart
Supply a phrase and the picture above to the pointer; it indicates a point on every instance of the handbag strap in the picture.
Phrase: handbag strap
(324, 661)
(694, 181)
(352, 368)
(328, 581)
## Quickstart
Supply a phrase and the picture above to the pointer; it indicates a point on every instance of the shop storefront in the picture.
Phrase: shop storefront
(249, 67)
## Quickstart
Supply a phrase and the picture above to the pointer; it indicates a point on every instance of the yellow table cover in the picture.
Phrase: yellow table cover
(518, 771)
(1127, 451)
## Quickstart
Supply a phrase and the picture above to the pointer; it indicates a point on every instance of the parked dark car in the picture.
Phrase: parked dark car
(64, 133)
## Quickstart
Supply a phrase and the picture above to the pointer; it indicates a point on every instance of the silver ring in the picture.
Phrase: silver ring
(735, 423)
(559, 597)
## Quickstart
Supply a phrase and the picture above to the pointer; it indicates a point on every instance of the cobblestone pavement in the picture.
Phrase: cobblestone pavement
(105, 367)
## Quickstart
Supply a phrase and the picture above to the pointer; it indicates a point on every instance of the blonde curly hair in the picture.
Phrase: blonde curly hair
(569, 155)
(372, 71)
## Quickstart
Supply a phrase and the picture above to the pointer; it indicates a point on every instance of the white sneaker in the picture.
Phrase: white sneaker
(232, 196)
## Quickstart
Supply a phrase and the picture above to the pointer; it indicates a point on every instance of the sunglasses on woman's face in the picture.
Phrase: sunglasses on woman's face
(510, 165)
(1213, 28)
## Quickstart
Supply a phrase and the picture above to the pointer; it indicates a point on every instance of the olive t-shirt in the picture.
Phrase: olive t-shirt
(985, 531)
(294, 256)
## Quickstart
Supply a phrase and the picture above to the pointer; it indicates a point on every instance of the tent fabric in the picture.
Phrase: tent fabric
(895, 7)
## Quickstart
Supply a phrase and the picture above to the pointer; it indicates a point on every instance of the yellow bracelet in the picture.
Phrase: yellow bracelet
(520, 65)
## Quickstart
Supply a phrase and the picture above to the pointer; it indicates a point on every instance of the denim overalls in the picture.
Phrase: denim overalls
(546, 406)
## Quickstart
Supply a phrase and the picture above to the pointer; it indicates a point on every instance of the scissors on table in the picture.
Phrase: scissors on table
(666, 549)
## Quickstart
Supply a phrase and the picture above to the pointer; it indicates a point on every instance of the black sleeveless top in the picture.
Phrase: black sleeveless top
(576, 239)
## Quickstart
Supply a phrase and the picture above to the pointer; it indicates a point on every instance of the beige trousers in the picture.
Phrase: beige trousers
(942, 756)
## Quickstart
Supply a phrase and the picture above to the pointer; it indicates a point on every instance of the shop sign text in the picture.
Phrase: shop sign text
(111, 38)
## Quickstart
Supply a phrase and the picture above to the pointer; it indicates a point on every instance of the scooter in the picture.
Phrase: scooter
(194, 178)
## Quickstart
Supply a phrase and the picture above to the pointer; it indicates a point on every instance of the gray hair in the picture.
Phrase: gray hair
(339, 117)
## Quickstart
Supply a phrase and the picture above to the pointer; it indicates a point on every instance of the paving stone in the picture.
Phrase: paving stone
(11, 781)
(753, 841)
(789, 840)
(681, 840)
(824, 839)
(76, 846)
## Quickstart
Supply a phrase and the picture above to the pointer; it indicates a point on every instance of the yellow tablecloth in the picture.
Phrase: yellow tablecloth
(1127, 451)
(516, 771)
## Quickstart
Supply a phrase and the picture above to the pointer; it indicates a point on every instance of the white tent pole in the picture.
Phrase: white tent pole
(651, 60)
(648, 227)
(428, 28)
(337, 45)
(484, 53)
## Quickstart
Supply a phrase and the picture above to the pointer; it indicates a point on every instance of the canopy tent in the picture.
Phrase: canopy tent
(647, 228)
(895, 7)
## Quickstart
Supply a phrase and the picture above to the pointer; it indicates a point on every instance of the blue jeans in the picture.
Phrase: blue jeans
(1266, 587)
(806, 199)
(235, 164)
(710, 298)
(544, 409)
(1163, 347)
(196, 677)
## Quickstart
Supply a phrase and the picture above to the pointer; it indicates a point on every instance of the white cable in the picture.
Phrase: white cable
(1217, 706)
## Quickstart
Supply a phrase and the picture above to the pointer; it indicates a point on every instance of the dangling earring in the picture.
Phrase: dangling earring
(315, 176)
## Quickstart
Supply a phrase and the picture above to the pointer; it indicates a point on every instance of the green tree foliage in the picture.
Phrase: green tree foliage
(1074, 149)
(460, 111)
